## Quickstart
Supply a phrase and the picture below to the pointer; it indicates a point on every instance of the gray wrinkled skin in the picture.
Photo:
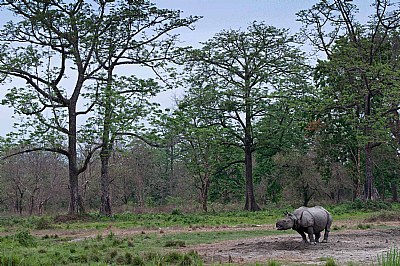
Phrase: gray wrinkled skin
(308, 220)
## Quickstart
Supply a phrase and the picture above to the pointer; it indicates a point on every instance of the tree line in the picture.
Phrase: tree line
(258, 122)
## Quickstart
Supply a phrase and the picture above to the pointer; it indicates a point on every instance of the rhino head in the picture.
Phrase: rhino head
(286, 223)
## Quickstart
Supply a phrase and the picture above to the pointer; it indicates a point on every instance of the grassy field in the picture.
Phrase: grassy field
(57, 240)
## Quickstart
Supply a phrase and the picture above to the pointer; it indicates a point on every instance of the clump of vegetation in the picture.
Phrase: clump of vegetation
(6, 259)
(361, 206)
(42, 223)
(390, 258)
(25, 239)
(329, 261)
(273, 263)
(384, 216)
(175, 243)
(363, 226)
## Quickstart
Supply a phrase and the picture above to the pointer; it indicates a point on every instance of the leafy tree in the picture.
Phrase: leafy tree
(243, 72)
(281, 130)
(358, 79)
(64, 49)
(138, 34)
(302, 179)
(200, 145)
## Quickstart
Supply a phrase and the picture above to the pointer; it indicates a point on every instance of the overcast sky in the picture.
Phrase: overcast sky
(217, 15)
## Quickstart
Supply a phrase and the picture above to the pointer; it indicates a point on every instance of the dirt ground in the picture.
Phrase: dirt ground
(358, 246)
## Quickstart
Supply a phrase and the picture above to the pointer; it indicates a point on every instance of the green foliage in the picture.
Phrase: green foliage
(389, 258)
(175, 243)
(11, 260)
(361, 206)
(273, 263)
(42, 223)
(330, 262)
(25, 239)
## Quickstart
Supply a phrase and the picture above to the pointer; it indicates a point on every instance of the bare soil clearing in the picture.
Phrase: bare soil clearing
(359, 246)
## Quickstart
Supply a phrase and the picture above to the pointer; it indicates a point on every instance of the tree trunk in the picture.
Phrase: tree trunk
(369, 176)
(76, 202)
(395, 197)
(251, 204)
(204, 192)
(19, 194)
(357, 184)
(105, 205)
(307, 195)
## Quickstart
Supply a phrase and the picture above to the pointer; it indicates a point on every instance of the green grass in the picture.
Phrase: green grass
(144, 221)
(18, 245)
(390, 258)
(24, 249)
(355, 210)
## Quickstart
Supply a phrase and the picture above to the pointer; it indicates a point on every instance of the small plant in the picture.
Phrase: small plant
(173, 257)
(25, 239)
(11, 260)
(137, 261)
(330, 262)
(42, 223)
(175, 243)
(113, 254)
(363, 226)
(273, 263)
(390, 258)
(176, 212)
(110, 235)
(191, 258)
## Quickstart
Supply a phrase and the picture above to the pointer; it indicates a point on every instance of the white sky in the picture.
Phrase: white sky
(217, 15)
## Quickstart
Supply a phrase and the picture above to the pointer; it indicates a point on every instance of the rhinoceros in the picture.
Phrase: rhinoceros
(308, 220)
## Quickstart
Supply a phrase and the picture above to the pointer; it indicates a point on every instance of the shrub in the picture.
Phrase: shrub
(25, 239)
(175, 243)
(173, 257)
(42, 223)
(137, 261)
(330, 262)
(273, 263)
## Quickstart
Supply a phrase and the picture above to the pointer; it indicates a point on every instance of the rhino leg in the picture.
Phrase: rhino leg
(327, 230)
(317, 236)
(302, 235)
(310, 232)
(326, 234)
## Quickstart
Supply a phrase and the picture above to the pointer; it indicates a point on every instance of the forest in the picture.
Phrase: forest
(262, 121)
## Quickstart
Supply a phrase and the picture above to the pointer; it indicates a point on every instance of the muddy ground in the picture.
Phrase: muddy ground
(346, 244)
(357, 246)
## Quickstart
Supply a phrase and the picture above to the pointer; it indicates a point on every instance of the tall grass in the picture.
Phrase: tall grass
(389, 258)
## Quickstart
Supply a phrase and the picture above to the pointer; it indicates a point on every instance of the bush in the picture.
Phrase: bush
(330, 262)
(42, 223)
(175, 243)
(25, 239)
